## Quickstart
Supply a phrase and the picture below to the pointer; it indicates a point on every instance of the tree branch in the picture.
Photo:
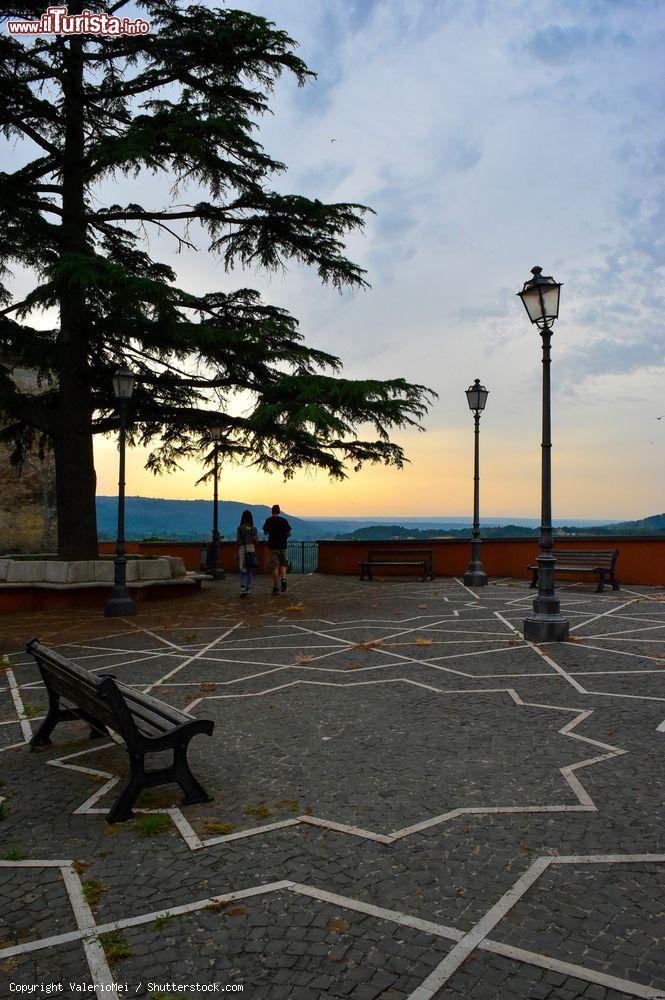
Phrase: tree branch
(36, 137)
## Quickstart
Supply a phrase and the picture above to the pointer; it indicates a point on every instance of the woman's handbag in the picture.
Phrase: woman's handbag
(251, 558)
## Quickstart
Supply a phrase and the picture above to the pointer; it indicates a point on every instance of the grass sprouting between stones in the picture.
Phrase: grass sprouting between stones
(115, 945)
(149, 825)
(218, 826)
(13, 854)
(92, 890)
(31, 710)
(260, 812)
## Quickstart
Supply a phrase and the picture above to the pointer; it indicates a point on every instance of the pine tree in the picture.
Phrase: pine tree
(181, 103)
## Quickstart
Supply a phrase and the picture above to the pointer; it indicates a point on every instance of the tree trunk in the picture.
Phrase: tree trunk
(75, 488)
(75, 470)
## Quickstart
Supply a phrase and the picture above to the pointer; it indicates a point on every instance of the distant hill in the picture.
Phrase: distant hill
(191, 520)
(653, 525)
(377, 532)
(185, 520)
(646, 526)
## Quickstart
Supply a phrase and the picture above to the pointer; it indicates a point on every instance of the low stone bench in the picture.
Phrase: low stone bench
(90, 571)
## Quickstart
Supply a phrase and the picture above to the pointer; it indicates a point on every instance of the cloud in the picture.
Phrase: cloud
(557, 45)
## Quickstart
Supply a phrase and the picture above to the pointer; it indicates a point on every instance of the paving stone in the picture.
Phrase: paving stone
(380, 756)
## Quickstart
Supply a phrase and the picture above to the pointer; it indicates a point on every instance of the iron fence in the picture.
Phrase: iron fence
(303, 556)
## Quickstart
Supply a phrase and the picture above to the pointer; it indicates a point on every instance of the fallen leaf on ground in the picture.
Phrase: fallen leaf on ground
(338, 925)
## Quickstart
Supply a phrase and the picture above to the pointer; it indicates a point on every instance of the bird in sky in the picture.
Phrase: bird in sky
(333, 140)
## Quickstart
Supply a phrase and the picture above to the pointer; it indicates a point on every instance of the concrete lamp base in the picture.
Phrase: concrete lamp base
(475, 579)
(546, 628)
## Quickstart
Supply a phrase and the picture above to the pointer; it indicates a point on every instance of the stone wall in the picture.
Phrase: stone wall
(27, 500)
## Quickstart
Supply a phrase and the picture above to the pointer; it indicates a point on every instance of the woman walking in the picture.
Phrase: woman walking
(248, 538)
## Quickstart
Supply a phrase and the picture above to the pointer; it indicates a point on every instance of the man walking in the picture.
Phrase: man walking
(278, 529)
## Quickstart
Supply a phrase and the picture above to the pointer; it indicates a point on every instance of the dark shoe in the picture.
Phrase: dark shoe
(244, 593)
(283, 584)
(275, 591)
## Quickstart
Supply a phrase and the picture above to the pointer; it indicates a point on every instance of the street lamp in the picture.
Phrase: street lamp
(120, 603)
(213, 549)
(475, 575)
(540, 296)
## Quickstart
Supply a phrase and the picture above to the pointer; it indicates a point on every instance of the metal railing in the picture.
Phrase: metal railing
(303, 556)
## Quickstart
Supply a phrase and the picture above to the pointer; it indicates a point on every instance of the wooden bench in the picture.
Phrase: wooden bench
(145, 724)
(600, 561)
(397, 557)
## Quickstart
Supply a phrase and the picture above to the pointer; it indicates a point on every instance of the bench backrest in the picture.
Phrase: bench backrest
(412, 554)
(604, 558)
(98, 696)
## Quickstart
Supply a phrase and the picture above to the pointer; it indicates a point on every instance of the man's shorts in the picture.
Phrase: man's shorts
(278, 557)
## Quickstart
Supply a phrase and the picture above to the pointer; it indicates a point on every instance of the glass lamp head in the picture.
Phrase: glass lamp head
(123, 383)
(540, 296)
(476, 396)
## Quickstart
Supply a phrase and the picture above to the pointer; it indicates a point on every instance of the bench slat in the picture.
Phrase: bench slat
(600, 561)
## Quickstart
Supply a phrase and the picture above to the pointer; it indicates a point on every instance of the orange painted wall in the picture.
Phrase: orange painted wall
(641, 559)
(192, 553)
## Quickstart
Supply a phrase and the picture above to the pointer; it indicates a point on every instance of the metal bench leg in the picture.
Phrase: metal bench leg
(42, 737)
(121, 809)
(601, 583)
(194, 792)
(534, 581)
(614, 582)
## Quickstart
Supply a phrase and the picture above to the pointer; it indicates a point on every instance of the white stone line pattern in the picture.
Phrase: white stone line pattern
(194, 842)
(645, 597)
(18, 704)
(548, 659)
(191, 659)
(85, 921)
(476, 937)
(620, 652)
(451, 963)
(603, 614)
(466, 588)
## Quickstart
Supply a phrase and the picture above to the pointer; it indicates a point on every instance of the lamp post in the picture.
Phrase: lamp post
(120, 603)
(540, 296)
(213, 549)
(475, 575)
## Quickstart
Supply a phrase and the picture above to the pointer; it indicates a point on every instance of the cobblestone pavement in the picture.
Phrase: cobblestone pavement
(408, 799)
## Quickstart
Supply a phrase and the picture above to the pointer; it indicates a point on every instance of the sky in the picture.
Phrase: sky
(488, 137)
